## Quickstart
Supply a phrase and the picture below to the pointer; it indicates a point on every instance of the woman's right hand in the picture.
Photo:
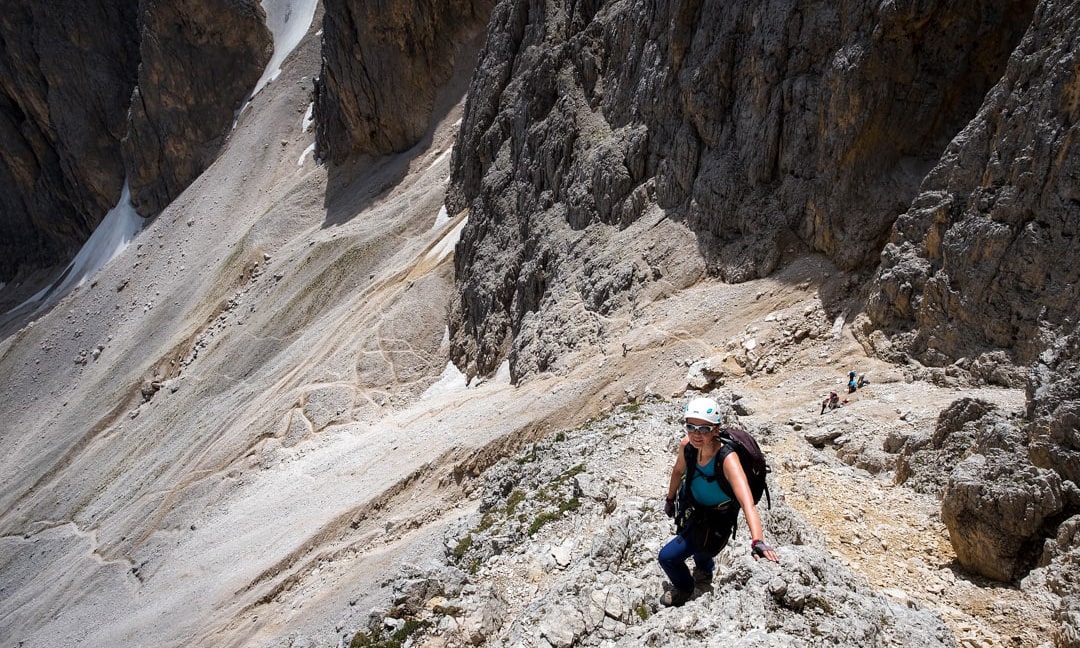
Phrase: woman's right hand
(669, 507)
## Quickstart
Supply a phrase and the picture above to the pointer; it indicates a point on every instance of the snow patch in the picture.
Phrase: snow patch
(109, 239)
(303, 156)
(288, 21)
(446, 245)
(502, 374)
(838, 326)
(441, 218)
(450, 381)
(441, 157)
(309, 116)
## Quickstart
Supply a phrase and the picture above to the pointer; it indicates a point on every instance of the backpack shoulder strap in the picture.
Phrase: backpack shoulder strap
(690, 455)
(727, 448)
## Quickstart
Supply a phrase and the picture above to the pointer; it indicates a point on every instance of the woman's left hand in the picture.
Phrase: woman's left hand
(761, 550)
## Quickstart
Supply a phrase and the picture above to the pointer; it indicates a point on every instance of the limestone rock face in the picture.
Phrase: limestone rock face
(757, 127)
(1053, 410)
(93, 92)
(384, 65)
(199, 59)
(63, 68)
(983, 259)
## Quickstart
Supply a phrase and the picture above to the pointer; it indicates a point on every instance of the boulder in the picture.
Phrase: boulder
(994, 507)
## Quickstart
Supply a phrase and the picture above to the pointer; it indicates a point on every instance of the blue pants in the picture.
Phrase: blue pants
(673, 561)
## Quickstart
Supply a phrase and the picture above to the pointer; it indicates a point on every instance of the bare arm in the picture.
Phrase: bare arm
(737, 478)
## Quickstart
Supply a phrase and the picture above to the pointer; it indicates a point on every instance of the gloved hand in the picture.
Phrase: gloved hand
(669, 507)
(761, 550)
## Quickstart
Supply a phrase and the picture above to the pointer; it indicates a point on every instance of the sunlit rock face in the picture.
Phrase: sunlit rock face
(985, 258)
(198, 61)
(91, 93)
(66, 75)
(384, 66)
(755, 125)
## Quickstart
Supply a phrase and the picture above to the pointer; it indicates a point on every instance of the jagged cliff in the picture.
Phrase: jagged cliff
(983, 261)
(760, 127)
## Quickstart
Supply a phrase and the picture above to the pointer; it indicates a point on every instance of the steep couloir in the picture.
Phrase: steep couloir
(94, 93)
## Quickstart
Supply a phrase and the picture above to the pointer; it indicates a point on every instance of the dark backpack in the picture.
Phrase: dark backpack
(750, 456)
(753, 463)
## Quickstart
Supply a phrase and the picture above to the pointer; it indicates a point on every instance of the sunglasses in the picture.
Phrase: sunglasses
(699, 429)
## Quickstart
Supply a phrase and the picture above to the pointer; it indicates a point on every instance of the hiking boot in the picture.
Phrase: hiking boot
(702, 577)
(675, 598)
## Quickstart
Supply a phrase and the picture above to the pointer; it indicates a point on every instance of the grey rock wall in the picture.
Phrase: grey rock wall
(754, 124)
(384, 65)
(985, 258)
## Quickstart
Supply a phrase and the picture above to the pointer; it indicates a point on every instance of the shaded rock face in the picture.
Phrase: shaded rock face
(751, 125)
(199, 60)
(383, 67)
(983, 259)
(66, 76)
(70, 74)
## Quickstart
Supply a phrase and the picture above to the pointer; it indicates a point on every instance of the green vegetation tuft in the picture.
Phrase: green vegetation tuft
(375, 638)
(516, 497)
(462, 546)
(529, 458)
(576, 470)
(642, 612)
(542, 519)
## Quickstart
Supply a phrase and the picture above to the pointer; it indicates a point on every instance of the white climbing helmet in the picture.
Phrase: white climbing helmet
(704, 409)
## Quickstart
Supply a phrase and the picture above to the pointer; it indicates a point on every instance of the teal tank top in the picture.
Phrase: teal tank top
(706, 491)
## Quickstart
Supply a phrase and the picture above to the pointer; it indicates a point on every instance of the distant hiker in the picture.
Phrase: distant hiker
(709, 520)
(862, 381)
(832, 401)
(851, 384)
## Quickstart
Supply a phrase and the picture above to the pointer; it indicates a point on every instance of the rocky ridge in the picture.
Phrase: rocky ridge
(561, 552)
